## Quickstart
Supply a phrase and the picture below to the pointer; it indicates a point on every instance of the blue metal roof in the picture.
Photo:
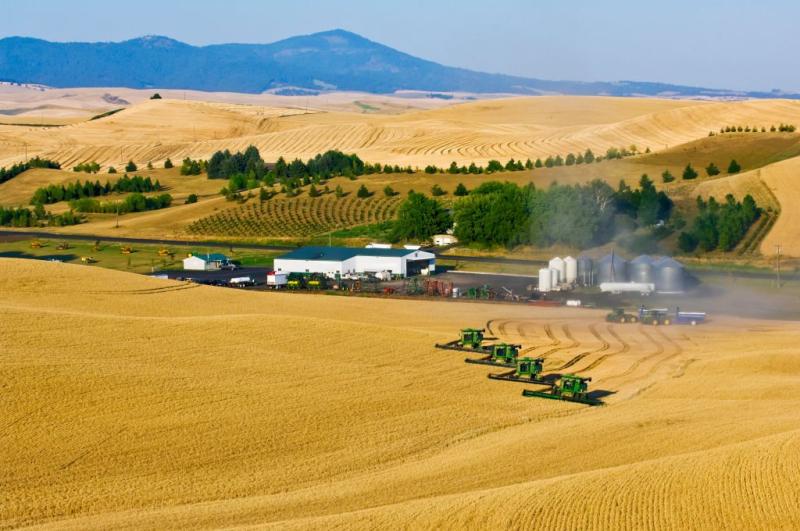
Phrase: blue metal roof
(212, 257)
(338, 254)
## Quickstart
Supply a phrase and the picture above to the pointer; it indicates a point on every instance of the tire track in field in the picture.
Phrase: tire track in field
(605, 345)
(559, 346)
(554, 341)
(659, 350)
(596, 363)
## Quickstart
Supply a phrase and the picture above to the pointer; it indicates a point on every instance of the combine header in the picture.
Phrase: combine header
(528, 370)
(500, 355)
(469, 340)
(570, 388)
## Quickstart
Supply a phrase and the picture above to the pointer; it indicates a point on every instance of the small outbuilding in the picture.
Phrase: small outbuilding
(205, 262)
(333, 261)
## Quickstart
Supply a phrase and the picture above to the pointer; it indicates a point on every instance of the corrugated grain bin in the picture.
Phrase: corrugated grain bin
(611, 268)
(669, 276)
(559, 265)
(641, 269)
(585, 270)
(545, 280)
(571, 269)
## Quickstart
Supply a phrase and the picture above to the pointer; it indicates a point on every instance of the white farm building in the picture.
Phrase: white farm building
(205, 262)
(354, 261)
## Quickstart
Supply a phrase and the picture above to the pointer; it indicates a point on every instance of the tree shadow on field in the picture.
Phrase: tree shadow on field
(28, 256)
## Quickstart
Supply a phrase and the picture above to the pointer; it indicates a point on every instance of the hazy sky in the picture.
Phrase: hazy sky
(737, 44)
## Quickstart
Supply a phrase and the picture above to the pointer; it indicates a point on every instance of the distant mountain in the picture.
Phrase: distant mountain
(331, 60)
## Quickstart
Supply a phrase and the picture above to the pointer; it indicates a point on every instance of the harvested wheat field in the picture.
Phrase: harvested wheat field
(151, 131)
(135, 402)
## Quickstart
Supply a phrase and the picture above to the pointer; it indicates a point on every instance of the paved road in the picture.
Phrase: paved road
(256, 246)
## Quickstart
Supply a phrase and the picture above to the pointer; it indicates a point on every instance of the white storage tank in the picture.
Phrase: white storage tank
(545, 280)
(555, 278)
(571, 267)
(559, 265)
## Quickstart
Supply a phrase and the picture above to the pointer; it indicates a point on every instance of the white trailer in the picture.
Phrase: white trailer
(644, 288)
(277, 280)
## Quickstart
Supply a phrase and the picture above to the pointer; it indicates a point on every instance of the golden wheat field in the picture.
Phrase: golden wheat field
(131, 402)
(477, 131)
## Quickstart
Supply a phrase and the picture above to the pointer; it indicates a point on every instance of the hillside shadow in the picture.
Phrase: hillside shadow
(65, 257)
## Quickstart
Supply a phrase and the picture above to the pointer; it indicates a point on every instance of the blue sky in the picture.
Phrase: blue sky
(738, 44)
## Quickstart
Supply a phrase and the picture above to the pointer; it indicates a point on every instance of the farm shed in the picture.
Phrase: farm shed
(205, 262)
(347, 260)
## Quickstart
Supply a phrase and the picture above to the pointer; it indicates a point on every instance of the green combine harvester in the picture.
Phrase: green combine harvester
(618, 315)
(570, 388)
(500, 355)
(528, 370)
(655, 316)
(471, 339)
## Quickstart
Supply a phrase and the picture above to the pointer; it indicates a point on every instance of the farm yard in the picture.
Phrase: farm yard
(132, 401)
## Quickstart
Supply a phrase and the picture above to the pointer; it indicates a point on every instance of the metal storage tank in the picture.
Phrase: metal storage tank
(611, 268)
(571, 269)
(559, 265)
(669, 276)
(545, 282)
(641, 269)
(585, 270)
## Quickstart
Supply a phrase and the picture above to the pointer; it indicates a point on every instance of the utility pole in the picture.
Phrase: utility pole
(778, 265)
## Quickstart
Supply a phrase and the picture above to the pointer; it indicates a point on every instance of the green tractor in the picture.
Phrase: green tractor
(655, 316)
(528, 370)
(618, 315)
(469, 339)
(500, 354)
(570, 388)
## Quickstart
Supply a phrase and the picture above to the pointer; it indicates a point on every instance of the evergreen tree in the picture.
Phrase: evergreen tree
(689, 173)
(734, 167)
(131, 166)
(461, 190)
(388, 191)
(419, 218)
(363, 193)
(667, 177)
(168, 164)
(436, 191)
(712, 169)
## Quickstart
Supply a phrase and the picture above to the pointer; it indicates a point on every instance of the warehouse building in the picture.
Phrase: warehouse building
(356, 261)
(206, 262)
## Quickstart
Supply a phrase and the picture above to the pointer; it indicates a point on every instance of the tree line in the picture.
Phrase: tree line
(781, 128)
(135, 202)
(36, 162)
(26, 217)
(719, 226)
(54, 193)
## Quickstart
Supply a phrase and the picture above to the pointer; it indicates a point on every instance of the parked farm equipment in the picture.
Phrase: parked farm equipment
(500, 355)
(570, 388)
(527, 370)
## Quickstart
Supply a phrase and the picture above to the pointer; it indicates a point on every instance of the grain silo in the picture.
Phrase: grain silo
(641, 269)
(572, 269)
(559, 265)
(585, 274)
(545, 277)
(611, 268)
(668, 276)
(555, 278)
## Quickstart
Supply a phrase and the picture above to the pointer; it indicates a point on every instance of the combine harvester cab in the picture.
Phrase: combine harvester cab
(500, 355)
(470, 339)
(655, 316)
(570, 388)
(528, 370)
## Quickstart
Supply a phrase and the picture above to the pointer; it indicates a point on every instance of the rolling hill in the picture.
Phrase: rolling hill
(331, 60)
